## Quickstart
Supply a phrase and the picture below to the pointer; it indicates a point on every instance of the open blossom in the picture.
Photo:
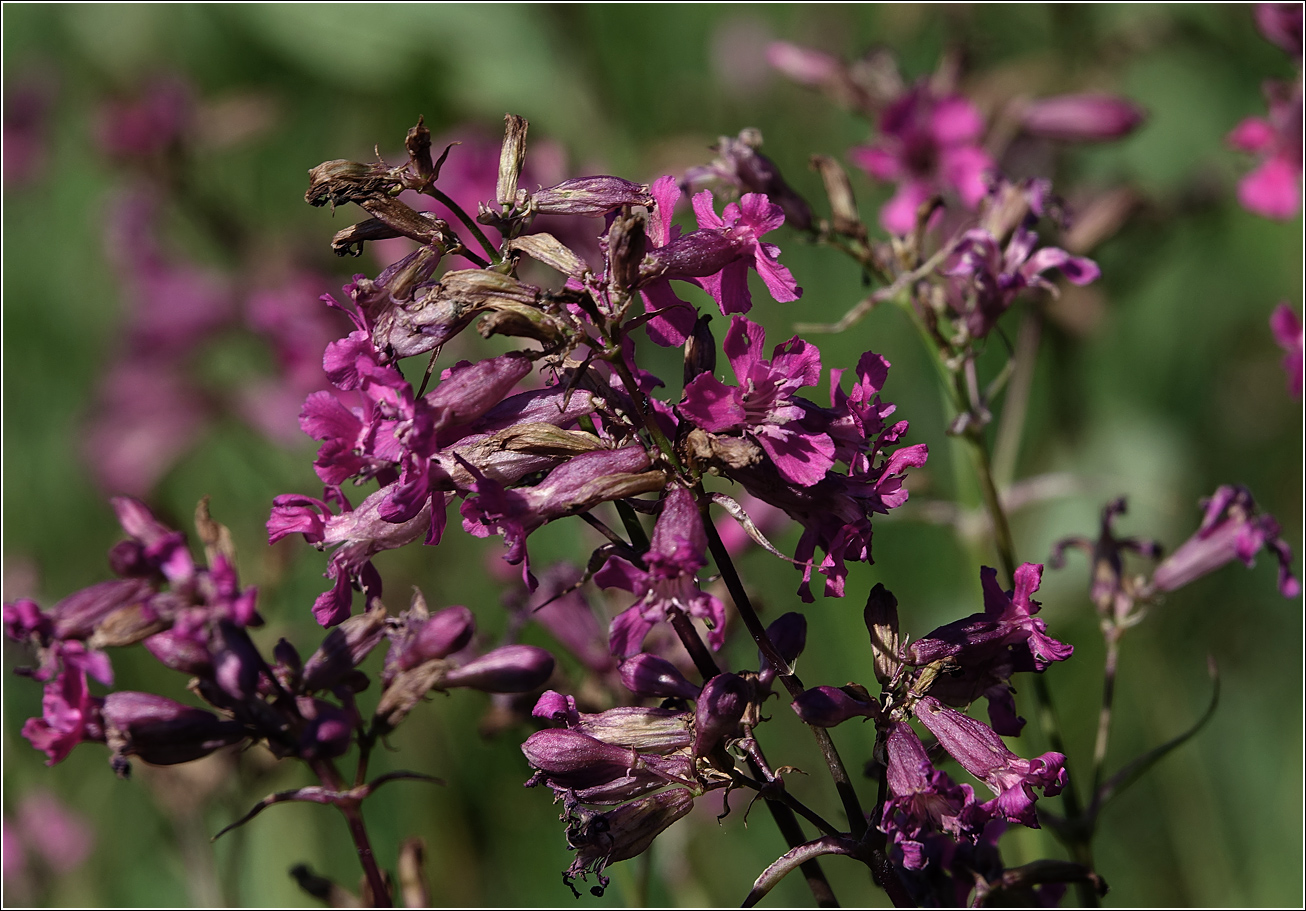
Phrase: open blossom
(928, 143)
(1232, 528)
(669, 582)
(986, 277)
(1273, 188)
(980, 751)
(719, 254)
(762, 405)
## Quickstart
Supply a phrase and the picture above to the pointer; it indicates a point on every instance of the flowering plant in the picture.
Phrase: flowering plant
(595, 400)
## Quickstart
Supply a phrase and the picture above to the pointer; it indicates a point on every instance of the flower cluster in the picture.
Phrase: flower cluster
(196, 619)
(941, 838)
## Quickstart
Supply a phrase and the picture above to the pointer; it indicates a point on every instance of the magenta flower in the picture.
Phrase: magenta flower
(1288, 333)
(1082, 118)
(980, 751)
(668, 583)
(763, 405)
(925, 801)
(1232, 528)
(719, 253)
(927, 144)
(1273, 188)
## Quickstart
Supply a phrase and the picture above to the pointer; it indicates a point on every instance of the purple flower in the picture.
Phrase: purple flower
(1008, 620)
(762, 406)
(70, 714)
(575, 486)
(980, 751)
(1232, 528)
(927, 143)
(1288, 333)
(668, 583)
(1273, 188)
(720, 252)
(1082, 118)
(987, 278)
(149, 125)
(925, 801)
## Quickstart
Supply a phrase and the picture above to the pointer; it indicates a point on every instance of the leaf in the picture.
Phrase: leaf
(1135, 770)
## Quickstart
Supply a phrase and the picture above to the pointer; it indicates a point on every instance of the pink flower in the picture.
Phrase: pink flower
(762, 406)
(1288, 333)
(927, 144)
(669, 582)
(1273, 188)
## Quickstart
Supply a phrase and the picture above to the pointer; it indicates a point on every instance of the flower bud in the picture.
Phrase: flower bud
(547, 249)
(649, 675)
(590, 197)
(827, 706)
(341, 181)
(801, 64)
(788, 633)
(839, 190)
(445, 632)
(1082, 118)
(181, 653)
(575, 760)
(162, 732)
(511, 669)
(343, 649)
(236, 662)
(328, 731)
(720, 707)
(627, 244)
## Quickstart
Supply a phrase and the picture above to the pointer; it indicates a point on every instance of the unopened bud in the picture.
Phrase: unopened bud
(180, 653)
(78, 615)
(510, 669)
(839, 190)
(788, 634)
(827, 706)
(881, 618)
(1082, 118)
(328, 732)
(447, 631)
(627, 243)
(649, 675)
(717, 714)
(590, 197)
(645, 730)
(161, 731)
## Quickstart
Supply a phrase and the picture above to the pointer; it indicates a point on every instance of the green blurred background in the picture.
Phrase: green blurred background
(1161, 383)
